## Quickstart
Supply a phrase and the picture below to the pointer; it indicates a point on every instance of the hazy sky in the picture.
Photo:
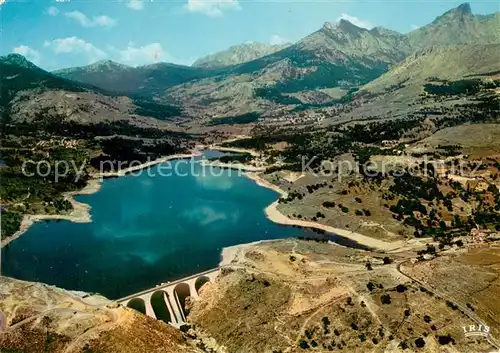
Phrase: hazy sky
(57, 34)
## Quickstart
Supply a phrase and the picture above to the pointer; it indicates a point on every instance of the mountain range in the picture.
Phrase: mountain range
(265, 79)
(28, 93)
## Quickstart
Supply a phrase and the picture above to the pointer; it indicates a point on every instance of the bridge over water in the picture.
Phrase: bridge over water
(168, 301)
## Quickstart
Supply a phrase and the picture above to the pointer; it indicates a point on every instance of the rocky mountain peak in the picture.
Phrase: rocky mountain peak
(342, 26)
(461, 11)
(348, 27)
(108, 65)
(19, 60)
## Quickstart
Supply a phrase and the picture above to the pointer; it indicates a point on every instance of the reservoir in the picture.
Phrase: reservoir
(146, 229)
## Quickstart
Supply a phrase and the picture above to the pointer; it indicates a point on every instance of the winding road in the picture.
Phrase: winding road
(466, 311)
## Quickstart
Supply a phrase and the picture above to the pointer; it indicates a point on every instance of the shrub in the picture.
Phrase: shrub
(385, 299)
(451, 305)
(401, 288)
(445, 339)
(303, 344)
(419, 342)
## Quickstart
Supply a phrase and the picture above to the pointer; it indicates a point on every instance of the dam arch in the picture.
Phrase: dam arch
(137, 304)
(170, 297)
(200, 281)
(181, 292)
(160, 303)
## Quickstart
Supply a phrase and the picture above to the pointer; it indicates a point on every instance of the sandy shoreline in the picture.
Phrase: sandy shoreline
(81, 211)
(276, 216)
(231, 253)
(146, 165)
(233, 149)
(236, 166)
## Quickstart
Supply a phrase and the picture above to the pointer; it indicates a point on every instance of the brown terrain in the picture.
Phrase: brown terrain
(37, 318)
(295, 296)
(292, 295)
(281, 296)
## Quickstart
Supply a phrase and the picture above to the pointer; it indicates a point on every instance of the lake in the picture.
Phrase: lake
(146, 230)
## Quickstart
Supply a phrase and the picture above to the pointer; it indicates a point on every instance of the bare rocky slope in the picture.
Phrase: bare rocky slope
(441, 63)
(38, 318)
(281, 296)
(457, 26)
(296, 296)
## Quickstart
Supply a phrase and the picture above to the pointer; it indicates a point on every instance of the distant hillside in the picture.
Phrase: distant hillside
(443, 63)
(457, 26)
(337, 54)
(29, 93)
(149, 80)
(238, 54)
(338, 57)
(18, 74)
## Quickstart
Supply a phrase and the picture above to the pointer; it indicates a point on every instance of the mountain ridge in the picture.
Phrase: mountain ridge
(238, 54)
(29, 93)
(338, 55)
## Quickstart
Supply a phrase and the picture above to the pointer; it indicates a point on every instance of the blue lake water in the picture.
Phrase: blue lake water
(146, 230)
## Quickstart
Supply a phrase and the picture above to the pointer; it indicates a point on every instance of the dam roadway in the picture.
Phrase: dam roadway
(170, 296)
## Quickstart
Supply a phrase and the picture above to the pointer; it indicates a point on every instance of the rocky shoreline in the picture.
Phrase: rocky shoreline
(276, 216)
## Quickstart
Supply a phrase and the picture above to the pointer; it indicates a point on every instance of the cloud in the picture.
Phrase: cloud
(141, 55)
(135, 5)
(132, 54)
(213, 182)
(356, 21)
(74, 45)
(212, 8)
(29, 53)
(96, 21)
(414, 27)
(205, 215)
(52, 11)
(276, 39)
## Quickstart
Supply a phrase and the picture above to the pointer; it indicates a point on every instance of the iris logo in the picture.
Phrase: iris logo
(475, 331)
